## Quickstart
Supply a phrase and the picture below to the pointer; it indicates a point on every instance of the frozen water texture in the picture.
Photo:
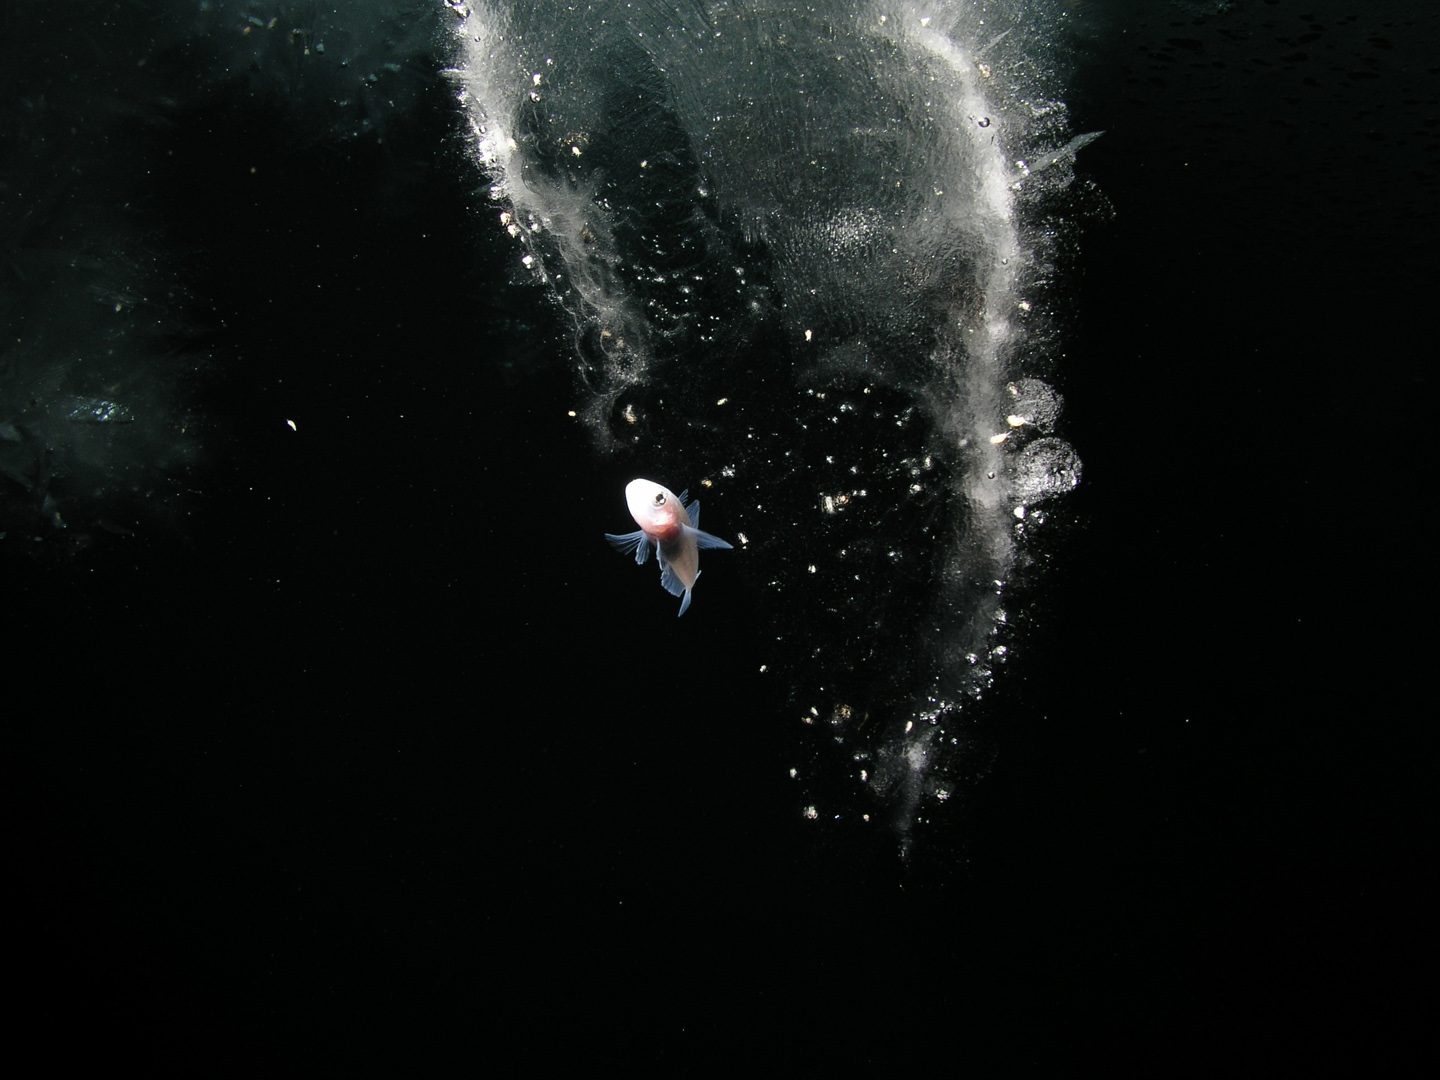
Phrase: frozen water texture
(808, 252)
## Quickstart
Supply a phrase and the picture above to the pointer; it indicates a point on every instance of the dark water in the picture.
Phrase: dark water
(356, 739)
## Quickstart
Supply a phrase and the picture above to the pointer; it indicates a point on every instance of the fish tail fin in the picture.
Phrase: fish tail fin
(685, 603)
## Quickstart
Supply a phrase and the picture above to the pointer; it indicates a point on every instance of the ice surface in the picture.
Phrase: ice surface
(806, 261)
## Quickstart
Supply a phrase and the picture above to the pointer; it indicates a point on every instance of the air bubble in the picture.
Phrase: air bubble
(1044, 469)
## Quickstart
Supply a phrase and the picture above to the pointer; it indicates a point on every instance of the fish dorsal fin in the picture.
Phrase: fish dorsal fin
(704, 540)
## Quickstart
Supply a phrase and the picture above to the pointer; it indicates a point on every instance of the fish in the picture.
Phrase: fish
(673, 528)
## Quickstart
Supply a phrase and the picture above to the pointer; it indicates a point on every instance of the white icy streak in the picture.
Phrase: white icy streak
(986, 343)
(498, 70)
(980, 378)
(486, 56)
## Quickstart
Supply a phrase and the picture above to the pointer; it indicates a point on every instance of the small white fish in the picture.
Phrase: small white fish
(673, 528)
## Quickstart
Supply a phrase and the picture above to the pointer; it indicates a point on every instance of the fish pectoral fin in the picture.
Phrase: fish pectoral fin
(635, 542)
(705, 540)
(692, 511)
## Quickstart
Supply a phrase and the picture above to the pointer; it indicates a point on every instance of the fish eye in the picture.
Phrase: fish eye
(659, 498)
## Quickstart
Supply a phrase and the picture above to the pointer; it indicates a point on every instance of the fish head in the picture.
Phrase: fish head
(653, 506)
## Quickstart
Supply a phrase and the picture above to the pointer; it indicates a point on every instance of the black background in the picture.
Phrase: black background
(379, 754)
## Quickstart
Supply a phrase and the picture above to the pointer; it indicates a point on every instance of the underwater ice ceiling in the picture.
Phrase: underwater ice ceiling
(813, 256)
